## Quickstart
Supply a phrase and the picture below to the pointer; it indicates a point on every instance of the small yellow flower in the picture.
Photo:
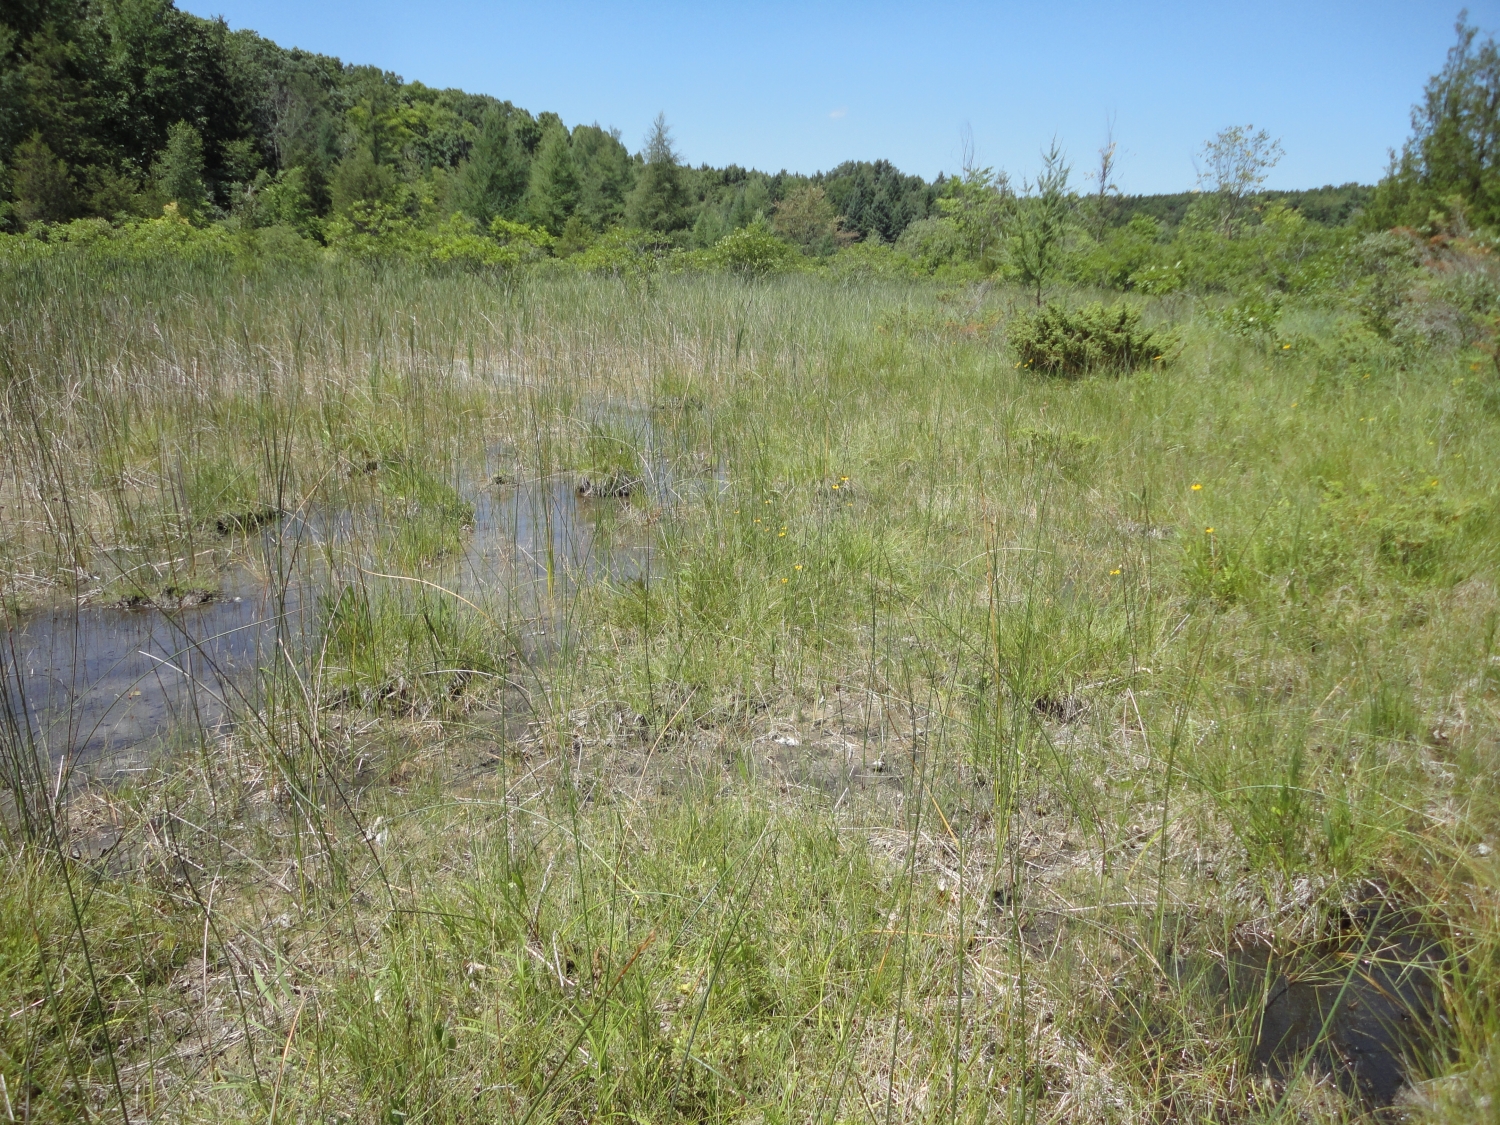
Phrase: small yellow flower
(843, 478)
(1434, 483)
(799, 565)
(1197, 488)
(1208, 531)
(1286, 347)
(1115, 571)
(785, 580)
(835, 488)
(781, 535)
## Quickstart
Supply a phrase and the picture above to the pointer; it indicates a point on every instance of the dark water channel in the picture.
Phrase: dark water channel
(102, 686)
(1362, 1005)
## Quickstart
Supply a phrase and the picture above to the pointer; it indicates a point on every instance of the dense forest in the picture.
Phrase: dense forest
(116, 117)
(113, 110)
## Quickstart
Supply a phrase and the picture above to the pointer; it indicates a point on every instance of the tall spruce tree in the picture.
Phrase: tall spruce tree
(553, 192)
(660, 199)
(179, 172)
(492, 182)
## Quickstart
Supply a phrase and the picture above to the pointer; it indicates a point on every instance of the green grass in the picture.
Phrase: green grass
(930, 727)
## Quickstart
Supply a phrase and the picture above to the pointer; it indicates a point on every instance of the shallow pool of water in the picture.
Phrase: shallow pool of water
(101, 686)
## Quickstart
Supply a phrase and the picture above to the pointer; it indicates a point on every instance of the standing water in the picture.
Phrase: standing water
(102, 686)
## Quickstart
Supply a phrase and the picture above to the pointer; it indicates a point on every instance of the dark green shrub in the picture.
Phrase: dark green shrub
(1056, 341)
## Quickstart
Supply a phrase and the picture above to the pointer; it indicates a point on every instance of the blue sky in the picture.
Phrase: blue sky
(803, 86)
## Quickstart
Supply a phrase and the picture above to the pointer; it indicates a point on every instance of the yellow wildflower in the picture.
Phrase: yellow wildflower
(1197, 488)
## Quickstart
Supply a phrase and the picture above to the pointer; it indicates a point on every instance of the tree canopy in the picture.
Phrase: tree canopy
(118, 108)
(1450, 167)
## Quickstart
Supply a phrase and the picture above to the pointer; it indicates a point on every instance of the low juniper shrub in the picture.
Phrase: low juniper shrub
(1057, 341)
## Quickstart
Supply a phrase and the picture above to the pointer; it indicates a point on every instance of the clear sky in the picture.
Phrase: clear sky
(805, 85)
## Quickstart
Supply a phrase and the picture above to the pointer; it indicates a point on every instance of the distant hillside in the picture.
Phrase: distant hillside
(115, 107)
(1331, 206)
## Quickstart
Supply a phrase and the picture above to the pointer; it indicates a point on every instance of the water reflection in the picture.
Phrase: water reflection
(103, 685)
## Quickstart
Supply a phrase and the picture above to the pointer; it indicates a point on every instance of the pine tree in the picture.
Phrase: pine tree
(553, 193)
(605, 175)
(42, 186)
(660, 199)
(1453, 155)
(494, 178)
(179, 171)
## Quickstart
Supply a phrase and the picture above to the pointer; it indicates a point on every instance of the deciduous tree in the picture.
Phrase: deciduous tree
(179, 171)
(1234, 165)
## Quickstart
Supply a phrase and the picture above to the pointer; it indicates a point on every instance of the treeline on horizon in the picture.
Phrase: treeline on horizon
(127, 110)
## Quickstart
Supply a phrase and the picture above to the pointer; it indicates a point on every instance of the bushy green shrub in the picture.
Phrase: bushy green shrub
(755, 250)
(871, 259)
(624, 253)
(1057, 341)
(377, 230)
(1411, 525)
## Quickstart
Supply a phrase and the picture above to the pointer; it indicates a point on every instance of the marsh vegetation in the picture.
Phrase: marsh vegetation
(922, 737)
(500, 628)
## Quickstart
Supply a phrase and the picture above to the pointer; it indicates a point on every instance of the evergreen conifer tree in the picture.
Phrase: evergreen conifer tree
(660, 199)
(40, 180)
(493, 180)
(360, 178)
(605, 175)
(553, 193)
(179, 171)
